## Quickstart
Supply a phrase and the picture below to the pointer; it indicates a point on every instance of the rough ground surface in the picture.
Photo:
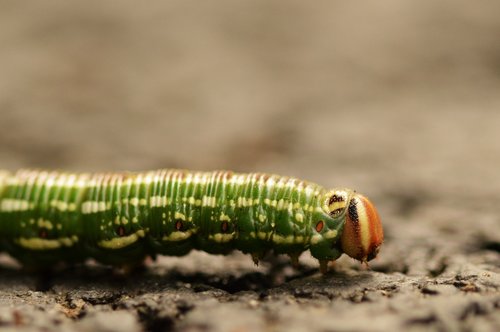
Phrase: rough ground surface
(400, 101)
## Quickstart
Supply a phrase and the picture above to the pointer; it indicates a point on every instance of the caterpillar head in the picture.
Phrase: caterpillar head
(362, 235)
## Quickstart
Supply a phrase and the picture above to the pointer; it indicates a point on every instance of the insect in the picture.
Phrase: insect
(120, 218)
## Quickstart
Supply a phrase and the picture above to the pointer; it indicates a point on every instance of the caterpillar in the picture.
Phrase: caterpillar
(120, 218)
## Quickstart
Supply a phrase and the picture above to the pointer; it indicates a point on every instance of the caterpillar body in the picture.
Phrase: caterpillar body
(120, 218)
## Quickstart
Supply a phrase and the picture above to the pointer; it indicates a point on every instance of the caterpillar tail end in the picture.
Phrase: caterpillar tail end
(363, 234)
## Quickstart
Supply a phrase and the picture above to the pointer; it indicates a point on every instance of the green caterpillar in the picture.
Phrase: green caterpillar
(120, 218)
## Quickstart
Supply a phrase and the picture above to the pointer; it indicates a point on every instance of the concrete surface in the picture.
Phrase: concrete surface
(398, 100)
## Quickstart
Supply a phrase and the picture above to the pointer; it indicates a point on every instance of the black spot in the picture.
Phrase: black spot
(353, 210)
(335, 198)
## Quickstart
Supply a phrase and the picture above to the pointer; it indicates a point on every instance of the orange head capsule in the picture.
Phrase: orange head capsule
(362, 234)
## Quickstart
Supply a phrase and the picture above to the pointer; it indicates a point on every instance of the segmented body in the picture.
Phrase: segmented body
(119, 218)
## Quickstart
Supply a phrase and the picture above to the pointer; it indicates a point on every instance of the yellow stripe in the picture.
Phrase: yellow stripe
(178, 236)
(121, 242)
(36, 243)
(221, 238)
(364, 225)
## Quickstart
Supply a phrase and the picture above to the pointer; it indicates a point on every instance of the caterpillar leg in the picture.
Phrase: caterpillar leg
(257, 256)
(325, 264)
(294, 258)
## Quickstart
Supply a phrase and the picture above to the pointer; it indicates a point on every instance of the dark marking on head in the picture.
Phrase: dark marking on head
(353, 210)
(336, 211)
(178, 225)
(336, 198)
(320, 225)
(224, 227)
(120, 231)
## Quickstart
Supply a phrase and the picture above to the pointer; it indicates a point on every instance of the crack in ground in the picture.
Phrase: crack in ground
(491, 245)
(155, 317)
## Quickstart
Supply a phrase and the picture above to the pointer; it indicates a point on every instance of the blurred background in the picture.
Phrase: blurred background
(398, 100)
